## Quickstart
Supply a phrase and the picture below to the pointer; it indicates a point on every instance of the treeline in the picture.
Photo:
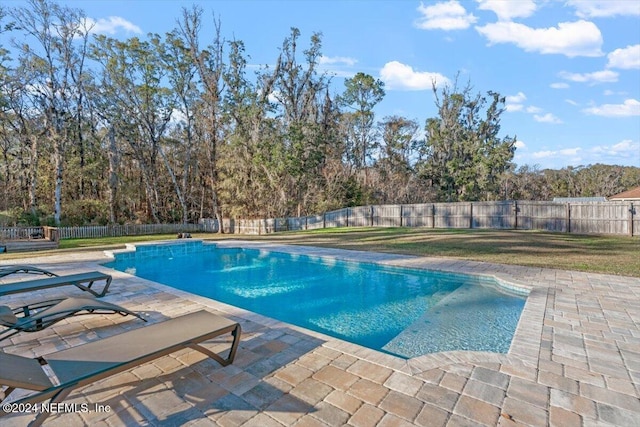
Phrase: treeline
(163, 129)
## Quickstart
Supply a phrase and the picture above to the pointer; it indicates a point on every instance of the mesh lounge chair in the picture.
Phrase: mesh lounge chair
(83, 281)
(38, 316)
(85, 364)
(6, 270)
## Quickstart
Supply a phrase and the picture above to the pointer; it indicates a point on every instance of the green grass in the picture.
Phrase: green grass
(618, 255)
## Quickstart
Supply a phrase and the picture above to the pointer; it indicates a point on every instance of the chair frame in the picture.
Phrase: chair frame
(37, 316)
(83, 281)
(116, 353)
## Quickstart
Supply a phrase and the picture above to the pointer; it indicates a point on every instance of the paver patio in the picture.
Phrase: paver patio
(574, 360)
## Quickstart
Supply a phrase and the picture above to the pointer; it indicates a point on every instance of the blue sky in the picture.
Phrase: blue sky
(570, 69)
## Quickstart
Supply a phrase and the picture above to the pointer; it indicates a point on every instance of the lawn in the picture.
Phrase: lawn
(618, 255)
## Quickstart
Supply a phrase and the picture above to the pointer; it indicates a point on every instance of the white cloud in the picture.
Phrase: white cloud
(580, 38)
(516, 99)
(547, 118)
(111, 25)
(520, 145)
(560, 85)
(506, 10)
(571, 102)
(337, 60)
(604, 76)
(608, 92)
(626, 58)
(622, 148)
(533, 110)
(513, 103)
(512, 108)
(630, 107)
(605, 8)
(398, 76)
(567, 152)
(444, 16)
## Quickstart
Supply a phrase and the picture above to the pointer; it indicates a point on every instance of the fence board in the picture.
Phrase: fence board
(619, 218)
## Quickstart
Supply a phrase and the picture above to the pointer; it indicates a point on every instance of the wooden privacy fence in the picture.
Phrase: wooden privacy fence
(126, 230)
(619, 218)
(29, 233)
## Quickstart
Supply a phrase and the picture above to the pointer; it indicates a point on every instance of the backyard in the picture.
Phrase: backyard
(593, 253)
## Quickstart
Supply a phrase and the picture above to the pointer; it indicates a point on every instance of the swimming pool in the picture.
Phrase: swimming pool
(406, 312)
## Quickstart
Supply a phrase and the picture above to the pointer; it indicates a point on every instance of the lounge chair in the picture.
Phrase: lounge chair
(83, 281)
(85, 364)
(38, 316)
(6, 270)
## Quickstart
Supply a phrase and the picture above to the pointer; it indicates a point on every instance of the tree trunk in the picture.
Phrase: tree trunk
(113, 175)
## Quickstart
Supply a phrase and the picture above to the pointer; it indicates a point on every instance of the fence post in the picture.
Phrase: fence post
(433, 215)
(401, 206)
(470, 215)
(515, 214)
(631, 212)
(568, 220)
(347, 217)
(324, 220)
(371, 213)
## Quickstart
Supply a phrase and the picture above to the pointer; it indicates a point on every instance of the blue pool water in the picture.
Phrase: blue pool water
(405, 312)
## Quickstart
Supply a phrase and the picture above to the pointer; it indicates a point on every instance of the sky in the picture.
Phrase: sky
(569, 69)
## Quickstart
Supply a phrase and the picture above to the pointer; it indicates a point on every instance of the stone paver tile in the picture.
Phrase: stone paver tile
(240, 384)
(311, 391)
(235, 417)
(528, 392)
(402, 405)
(344, 361)
(309, 421)
(261, 420)
(366, 416)
(371, 371)
(557, 381)
(610, 397)
(438, 396)
(288, 409)
(293, 374)
(314, 361)
(343, 401)
(368, 391)
(573, 403)
(523, 412)
(403, 383)
(431, 416)
(617, 416)
(262, 395)
(453, 382)
(459, 421)
(584, 376)
(485, 392)
(477, 410)
(390, 420)
(622, 386)
(329, 414)
(489, 376)
(335, 377)
(559, 417)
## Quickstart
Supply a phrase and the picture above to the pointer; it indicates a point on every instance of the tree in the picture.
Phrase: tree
(135, 73)
(362, 93)
(396, 183)
(209, 123)
(464, 157)
(57, 73)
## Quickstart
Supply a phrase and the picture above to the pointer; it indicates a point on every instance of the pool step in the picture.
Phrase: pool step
(473, 317)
